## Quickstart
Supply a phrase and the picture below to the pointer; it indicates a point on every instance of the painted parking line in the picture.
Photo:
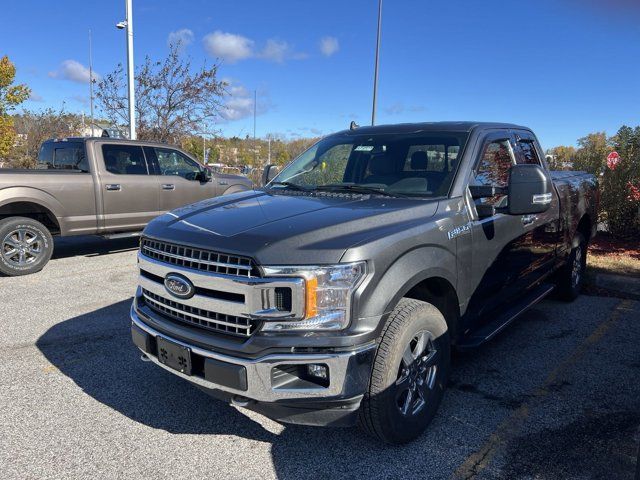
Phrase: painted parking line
(511, 427)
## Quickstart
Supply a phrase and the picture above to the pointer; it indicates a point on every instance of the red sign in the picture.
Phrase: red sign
(613, 159)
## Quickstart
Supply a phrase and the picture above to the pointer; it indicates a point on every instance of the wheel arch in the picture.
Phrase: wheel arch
(426, 273)
(31, 209)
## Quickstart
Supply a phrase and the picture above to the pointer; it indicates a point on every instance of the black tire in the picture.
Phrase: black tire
(26, 246)
(571, 276)
(381, 414)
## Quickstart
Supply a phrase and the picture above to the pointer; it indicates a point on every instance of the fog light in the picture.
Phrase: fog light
(318, 371)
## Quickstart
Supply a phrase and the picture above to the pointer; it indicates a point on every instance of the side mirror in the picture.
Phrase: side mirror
(529, 190)
(269, 172)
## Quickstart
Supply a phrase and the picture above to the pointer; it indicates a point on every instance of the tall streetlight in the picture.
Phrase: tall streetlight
(128, 24)
(91, 81)
(375, 75)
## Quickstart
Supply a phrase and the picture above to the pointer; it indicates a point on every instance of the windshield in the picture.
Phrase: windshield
(419, 164)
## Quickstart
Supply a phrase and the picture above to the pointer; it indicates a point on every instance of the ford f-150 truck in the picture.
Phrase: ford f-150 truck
(87, 186)
(335, 294)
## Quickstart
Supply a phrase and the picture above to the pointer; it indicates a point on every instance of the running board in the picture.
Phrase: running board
(115, 236)
(490, 330)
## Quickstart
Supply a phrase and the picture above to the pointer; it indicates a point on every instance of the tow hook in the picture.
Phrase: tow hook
(144, 358)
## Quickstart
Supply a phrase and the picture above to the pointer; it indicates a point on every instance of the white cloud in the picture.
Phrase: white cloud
(74, 71)
(34, 97)
(329, 46)
(180, 38)
(275, 50)
(228, 46)
(399, 108)
(239, 102)
(233, 48)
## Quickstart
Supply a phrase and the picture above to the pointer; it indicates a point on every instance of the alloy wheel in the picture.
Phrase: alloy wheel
(576, 268)
(22, 247)
(417, 374)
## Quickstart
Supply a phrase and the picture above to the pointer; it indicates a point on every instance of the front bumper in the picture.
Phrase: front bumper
(257, 383)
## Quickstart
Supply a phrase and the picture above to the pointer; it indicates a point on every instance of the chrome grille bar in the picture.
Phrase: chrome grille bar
(196, 316)
(197, 259)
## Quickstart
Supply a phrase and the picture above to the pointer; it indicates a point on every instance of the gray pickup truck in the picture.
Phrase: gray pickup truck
(87, 186)
(336, 293)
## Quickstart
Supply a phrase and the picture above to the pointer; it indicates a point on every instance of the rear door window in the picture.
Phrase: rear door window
(124, 159)
(528, 153)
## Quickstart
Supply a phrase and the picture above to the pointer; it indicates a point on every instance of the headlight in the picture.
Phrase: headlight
(328, 291)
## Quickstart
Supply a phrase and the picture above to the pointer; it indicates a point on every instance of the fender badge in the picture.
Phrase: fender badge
(461, 230)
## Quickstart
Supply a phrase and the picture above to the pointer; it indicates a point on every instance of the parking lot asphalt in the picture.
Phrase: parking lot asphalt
(557, 395)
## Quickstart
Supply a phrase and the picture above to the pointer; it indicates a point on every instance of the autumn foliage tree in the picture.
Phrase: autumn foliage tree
(172, 99)
(10, 97)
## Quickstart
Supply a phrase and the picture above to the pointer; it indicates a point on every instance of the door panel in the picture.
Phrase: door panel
(178, 178)
(129, 194)
(501, 253)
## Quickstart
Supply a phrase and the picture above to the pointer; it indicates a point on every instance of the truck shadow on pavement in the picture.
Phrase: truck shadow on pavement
(90, 246)
(96, 352)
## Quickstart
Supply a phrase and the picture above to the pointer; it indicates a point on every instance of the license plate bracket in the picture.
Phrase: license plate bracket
(174, 355)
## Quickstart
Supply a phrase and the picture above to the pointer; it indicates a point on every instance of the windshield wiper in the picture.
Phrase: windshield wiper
(292, 186)
(357, 189)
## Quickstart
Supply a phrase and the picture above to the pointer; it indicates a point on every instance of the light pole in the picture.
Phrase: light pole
(375, 75)
(128, 24)
(91, 81)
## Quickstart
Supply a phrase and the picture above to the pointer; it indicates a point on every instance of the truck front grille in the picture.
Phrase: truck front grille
(198, 259)
(217, 322)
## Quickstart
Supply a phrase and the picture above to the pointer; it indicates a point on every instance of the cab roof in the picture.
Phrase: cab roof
(427, 127)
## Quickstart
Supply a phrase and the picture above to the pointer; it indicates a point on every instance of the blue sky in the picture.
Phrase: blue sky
(563, 67)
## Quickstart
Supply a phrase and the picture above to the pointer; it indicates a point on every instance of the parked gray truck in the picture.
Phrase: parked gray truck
(96, 186)
(335, 293)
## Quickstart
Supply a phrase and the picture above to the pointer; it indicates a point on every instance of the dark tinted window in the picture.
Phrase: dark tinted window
(124, 159)
(63, 156)
(528, 153)
(493, 168)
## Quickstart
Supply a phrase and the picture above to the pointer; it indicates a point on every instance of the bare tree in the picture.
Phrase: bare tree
(171, 100)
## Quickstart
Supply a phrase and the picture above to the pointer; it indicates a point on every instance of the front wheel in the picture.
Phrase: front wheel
(409, 373)
(571, 275)
(26, 246)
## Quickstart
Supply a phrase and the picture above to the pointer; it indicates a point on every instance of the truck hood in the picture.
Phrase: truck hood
(288, 228)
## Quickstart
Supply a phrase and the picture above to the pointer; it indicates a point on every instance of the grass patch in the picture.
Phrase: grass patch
(610, 255)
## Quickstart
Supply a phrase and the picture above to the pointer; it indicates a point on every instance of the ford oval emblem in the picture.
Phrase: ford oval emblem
(179, 286)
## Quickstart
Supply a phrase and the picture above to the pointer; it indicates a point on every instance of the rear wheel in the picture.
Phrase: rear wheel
(26, 246)
(409, 373)
(571, 276)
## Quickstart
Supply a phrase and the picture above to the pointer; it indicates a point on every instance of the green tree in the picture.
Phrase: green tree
(592, 153)
(562, 157)
(10, 97)
(620, 206)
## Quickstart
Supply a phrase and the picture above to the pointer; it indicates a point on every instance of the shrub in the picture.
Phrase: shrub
(620, 186)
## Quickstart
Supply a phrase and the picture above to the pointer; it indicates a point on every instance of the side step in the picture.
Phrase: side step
(490, 330)
(115, 236)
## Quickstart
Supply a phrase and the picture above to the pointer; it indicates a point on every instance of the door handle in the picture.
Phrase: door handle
(528, 219)
(168, 186)
(113, 187)
(222, 182)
